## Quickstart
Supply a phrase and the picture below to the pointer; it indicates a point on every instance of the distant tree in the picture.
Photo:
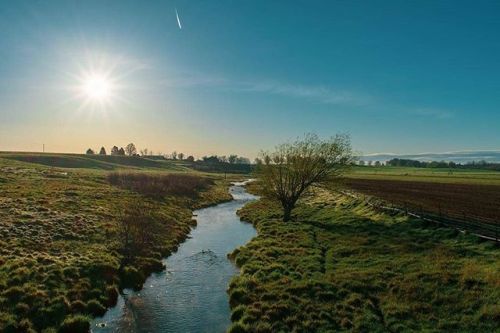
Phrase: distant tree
(181, 156)
(223, 159)
(121, 152)
(361, 162)
(102, 151)
(130, 149)
(190, 158)
(242, 160)
(370, 163)
(232, 159)
(145, 152)
(257, 161)
(114, 150)
(214, 159)
(377, 163)
(293, 169)
(174, 155)
(90, 152)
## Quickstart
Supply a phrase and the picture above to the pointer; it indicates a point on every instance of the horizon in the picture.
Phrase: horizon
(222, 78)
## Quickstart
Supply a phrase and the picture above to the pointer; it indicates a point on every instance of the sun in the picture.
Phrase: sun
(97, 87)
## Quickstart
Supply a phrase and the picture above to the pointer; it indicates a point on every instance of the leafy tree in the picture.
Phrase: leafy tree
(293, 169)
(121, 152)
(130, 149)
(90, 152)
(232, 159)
(114, 150)
(190, 158)
(174, 155)
(181, 156)
(102, 151)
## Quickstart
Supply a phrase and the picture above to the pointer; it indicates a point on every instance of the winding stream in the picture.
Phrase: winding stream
(190, 295)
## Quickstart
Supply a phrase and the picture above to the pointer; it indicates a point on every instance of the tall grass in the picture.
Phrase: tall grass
(159, 186)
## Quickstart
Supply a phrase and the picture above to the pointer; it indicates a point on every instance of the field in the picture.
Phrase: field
(341, 266)
(435, 175)
(61, 251)
(455, 200)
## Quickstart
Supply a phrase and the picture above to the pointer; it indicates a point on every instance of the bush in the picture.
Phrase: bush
(75, 324)
(158, 186)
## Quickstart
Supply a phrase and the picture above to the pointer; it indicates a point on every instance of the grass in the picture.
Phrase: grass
(461, 176)
(60, 259)
(99, 162)
(340, 266)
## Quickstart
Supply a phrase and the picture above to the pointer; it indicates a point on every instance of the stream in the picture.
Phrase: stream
(190, 295)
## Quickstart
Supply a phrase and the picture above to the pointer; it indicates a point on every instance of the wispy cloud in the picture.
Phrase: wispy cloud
(313, 93)
(317, 94)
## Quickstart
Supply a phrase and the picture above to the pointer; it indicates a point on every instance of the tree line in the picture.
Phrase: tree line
(131, 150)
(443, 164)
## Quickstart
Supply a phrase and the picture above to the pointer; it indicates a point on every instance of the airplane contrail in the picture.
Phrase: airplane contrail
(178, 20)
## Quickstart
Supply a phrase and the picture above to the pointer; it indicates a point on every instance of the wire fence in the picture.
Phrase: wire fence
(484, 228)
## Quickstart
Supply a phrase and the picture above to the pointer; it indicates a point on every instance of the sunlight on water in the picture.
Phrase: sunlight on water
(190, 295)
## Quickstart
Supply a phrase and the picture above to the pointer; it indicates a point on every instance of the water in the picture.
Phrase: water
(190, 295)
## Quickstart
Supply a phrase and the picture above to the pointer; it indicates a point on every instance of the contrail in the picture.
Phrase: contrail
(178, 20)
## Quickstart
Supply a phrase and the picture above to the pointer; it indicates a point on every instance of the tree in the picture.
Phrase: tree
(114, 150)
(293, 169)
(136, 229)
(190, 158)
(181, 156)
(130, 149)
(102, 151)
(145, 152)
(90, 152)
(174, 155)
(121, 151)
(232, 159)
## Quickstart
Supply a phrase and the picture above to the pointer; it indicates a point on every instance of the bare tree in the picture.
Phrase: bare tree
(232, 159)
(136, 230)
(181, 156)
(130, 149)
(174, 155)
(292, 169)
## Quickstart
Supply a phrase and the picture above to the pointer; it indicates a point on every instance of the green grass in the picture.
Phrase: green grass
(340, 266)
(102, 162)
(59, 248)
(464, 176)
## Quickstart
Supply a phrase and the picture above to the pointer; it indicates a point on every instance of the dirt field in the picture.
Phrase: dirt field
(463, 201)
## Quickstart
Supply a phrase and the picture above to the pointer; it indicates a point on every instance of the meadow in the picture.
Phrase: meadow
(61, 254)
(341, 266)
(435, 175)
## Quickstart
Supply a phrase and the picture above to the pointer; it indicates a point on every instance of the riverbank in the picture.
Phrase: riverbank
(60, 250)
(190, 294)
(340, 266)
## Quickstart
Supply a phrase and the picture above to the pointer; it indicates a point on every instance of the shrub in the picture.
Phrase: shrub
(158, 186)
(131, 278)
(75, 324)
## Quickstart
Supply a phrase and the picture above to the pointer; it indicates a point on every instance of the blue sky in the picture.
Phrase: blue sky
(398, 76)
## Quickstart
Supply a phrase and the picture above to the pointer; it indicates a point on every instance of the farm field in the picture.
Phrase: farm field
(61, 257)
(438, 175)
(456, 200)
(341, 266)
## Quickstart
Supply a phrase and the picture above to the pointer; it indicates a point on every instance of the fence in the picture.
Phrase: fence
(483, 228)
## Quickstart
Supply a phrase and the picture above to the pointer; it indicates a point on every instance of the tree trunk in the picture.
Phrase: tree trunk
(287, 212)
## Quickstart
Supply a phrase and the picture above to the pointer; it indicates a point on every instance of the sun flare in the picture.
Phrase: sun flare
(97, 87)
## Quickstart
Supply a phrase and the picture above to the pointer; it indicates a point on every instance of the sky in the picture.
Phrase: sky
(228, 77)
